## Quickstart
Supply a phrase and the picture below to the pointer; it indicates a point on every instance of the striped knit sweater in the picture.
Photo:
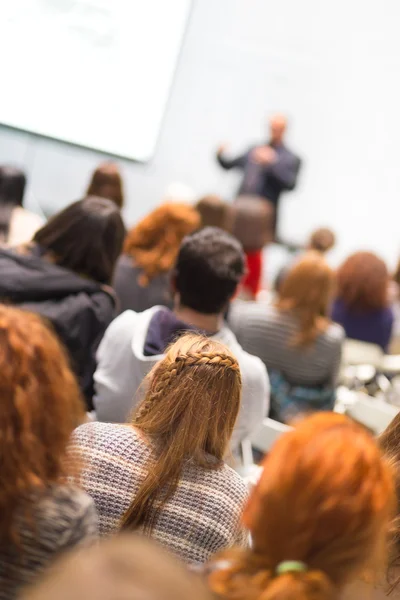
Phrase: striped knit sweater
(267, 332)
(201, 518)
(64, 517)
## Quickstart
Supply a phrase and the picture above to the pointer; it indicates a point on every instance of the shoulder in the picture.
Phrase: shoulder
(67, 502)
(98, 434)
(227, 482)
(252, 368)
(334, 334)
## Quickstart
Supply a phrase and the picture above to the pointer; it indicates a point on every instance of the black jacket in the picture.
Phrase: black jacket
(265, 181)
(80, 310)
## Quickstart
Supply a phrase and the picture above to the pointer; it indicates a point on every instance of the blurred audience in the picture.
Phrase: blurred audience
(41, 515)
(362, 300)
(165, 474)
(253, 226)
(124, 568)
(208, 270)
(215, 212)
(64, 276)
(17, 225)
(322, 240)
(295, 339)
(318, 517)
(143, 273)
(106, 182)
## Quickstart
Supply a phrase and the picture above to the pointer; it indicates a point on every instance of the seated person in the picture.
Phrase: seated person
(126, 567)
(362, 300)
(164, 474)
(318, 518)
(42, 515)
(64, 275)
(142, 277)
(106, 182)
(215, 212)
(208, 270)
(295, 339)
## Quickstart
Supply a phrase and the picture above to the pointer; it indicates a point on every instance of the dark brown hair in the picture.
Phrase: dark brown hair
(106, 182)
(325, 498)
(305, 292)
(40, 406)
(12, 188)
(86, 237)
(154, 242)
(188, 413)
(363, 282)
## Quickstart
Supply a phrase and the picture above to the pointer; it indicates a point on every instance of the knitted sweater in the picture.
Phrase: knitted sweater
(64, 517)
(199, 519)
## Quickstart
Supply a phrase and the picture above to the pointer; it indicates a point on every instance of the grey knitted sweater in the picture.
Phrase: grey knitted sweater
(201, 518)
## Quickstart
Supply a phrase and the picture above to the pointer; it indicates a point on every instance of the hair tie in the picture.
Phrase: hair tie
(288, 566)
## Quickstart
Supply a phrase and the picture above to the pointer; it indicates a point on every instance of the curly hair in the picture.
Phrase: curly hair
(332, 515)
(189, 412)
(363, 282)
(40, 406)
(154, 242)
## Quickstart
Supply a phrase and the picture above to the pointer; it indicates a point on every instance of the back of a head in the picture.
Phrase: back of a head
(106, 182)
(189, 412)
(209, 267)
(215, 212)
(86, 237)
(40, 407)
(363, 282)
(154, 242)
(322, 240)
(121, 568)
(306, 290)
(12, 188)
(253, 219)
(319, 516)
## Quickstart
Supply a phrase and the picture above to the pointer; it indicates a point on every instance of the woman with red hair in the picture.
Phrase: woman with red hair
(362, 300)
(319, 516)
(41, 515)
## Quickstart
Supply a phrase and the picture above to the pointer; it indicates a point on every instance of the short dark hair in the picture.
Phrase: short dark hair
(209, 267)
(86, 237)
(12, 188)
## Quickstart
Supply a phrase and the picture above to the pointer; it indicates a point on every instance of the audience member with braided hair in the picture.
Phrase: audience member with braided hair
(142, 277)
(319, 517)
(208, 270)
(41, 515)
(164, 475)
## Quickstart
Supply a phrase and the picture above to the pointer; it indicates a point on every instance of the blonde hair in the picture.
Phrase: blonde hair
(120, 568)
(188, 413)
(325, 498)
(306, 292)
(154, 242)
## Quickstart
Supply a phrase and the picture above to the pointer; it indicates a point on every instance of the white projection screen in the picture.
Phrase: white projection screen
(95, 73)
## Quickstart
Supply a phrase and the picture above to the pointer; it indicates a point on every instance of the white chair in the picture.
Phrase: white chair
(266, 435)
(373, 413)
(361, 353)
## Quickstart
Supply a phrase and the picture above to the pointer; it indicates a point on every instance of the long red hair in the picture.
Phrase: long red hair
(306, 292)
(154, 242)
(325, 498)
(40, 407)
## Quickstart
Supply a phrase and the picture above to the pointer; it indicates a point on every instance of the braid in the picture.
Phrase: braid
(190, 359)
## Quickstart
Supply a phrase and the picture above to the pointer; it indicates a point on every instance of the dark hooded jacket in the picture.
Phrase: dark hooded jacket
(79, 309)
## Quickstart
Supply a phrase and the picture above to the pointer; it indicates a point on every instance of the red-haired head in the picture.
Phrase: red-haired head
(106, 182)
(363, 282)
(40, 407)
(325, 500)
